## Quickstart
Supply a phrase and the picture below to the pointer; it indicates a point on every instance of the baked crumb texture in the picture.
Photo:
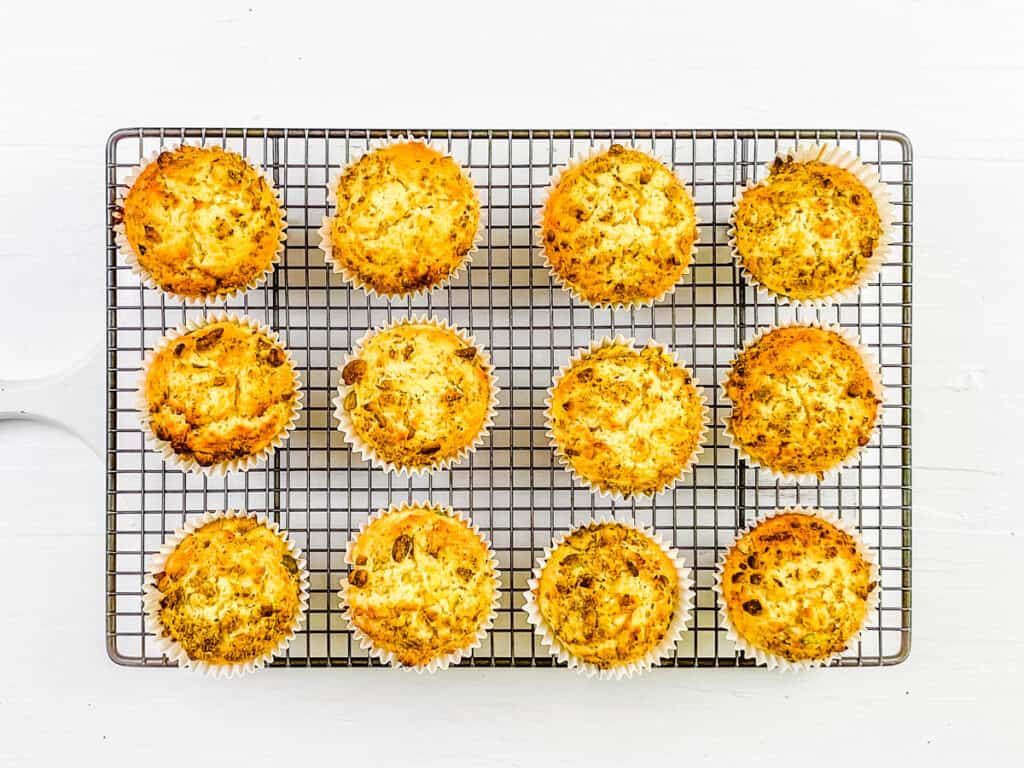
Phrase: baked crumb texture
(415, 396)
(202, 223)
(626, 420)
(610, 597)
(809, 231)
(797, 587)
(618, 228)
(231, 592)
(804, 400)
(423, 586)
(406, 217)
(220, 395)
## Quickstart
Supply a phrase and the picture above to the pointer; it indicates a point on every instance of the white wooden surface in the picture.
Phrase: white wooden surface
(949, 74)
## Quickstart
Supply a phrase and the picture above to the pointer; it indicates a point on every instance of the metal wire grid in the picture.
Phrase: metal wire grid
(320, 491)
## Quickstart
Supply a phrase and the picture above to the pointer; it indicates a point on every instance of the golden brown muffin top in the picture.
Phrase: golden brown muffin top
(609, 594)
(202, 222)
(796, 586)
(619, 227)
(422, 584)
(803, 400)
(417, 394)
(405, 219)
(231, 591)
(222, 391)
(628, 421)
(807, 231)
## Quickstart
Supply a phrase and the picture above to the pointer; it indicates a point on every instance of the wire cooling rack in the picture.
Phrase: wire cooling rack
(512, 487)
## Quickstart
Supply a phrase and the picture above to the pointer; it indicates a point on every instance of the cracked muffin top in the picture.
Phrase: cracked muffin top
(422, 584)
(803, 400)
(619, 227)
(796, 586)
(223, 391)
(231, 591)
(202, 222)
(808, 231)
(416, 394)
(627, 421)
(609, 594)
(406, 216)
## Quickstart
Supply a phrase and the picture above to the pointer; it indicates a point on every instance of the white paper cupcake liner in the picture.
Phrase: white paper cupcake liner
(152, 597)
(661, 651)
(126, 251)
(868, 176)
(388, 657)
(874, 372)
(770, 660)
(189, 464)
(560, 454)
(538, 229)
(324, 231)
(367, 452)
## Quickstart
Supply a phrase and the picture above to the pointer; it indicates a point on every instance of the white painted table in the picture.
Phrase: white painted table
(950, 78)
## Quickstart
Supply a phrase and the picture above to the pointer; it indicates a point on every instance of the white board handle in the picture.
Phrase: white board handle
(73, 399)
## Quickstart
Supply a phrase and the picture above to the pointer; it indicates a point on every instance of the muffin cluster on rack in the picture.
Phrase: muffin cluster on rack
(618, 228)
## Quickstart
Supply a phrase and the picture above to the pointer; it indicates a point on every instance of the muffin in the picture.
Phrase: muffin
(201, 223)
(609, 599)
(796, 588)
(423, 587)
(626, 421)
(804, 400)
(219, 394)
(815, 228)
(618, 228)
(226, 593)
(406, 218)
(415, 396)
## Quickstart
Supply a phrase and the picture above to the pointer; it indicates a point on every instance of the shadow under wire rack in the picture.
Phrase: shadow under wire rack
(320, 491)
